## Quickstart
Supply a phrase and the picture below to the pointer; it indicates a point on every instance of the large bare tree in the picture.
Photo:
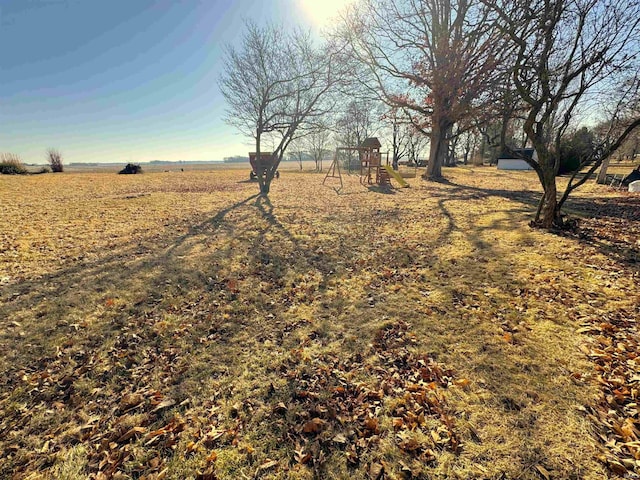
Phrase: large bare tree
(571, 55)
(436, 59)
(275, 85)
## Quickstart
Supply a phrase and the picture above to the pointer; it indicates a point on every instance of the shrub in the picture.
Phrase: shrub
(574, 149)
(11, 164)
(131, 168)
(569, 162)
(54, 157)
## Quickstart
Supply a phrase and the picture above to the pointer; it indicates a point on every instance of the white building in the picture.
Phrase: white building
(514, 160)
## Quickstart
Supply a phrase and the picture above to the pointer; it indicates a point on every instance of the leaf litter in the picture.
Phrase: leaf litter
(112, 385)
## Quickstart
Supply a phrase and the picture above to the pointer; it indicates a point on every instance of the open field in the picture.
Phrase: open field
(174, 325)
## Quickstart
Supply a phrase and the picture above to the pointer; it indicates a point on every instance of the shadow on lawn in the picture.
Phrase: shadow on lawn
(193, 278)
(149, 281)
(502, 353)
(234, 264)
(602, 220)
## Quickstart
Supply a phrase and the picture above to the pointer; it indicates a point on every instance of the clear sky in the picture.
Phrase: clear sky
(127, 80)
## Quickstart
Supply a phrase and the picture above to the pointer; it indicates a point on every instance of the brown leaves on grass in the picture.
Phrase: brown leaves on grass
(108, 422)
(615, 350)
(404, 397)
(118, 391)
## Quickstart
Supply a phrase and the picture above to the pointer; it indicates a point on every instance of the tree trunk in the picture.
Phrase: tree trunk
(437, 152)
(266, 186)
(549, 214)
(259, 169)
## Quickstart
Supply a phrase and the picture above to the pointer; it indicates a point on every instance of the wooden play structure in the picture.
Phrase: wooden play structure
(267, 160)
(372, 169)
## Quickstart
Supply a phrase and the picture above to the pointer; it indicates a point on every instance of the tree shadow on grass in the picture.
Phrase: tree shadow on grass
(602, 220)
(203, 305)
(183, 313)
(47, 307)
(504, 358)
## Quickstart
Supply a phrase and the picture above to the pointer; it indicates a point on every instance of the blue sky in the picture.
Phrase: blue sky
(126, 80)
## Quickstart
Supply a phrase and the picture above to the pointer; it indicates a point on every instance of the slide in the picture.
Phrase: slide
(396, 176)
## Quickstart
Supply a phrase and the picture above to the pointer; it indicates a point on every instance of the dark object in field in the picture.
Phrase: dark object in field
(632, 177)
(131, 169)
(268, 160)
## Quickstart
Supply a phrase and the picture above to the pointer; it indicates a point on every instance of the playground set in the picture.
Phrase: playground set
(372, 169)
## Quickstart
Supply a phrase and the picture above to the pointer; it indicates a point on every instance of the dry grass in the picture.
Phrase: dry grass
(172, 325)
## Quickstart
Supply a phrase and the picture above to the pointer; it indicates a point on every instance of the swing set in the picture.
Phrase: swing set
(372, 169)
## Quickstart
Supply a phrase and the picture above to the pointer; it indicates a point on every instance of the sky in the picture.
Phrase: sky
(127, 80)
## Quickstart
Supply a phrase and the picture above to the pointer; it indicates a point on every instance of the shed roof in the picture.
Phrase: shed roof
(519, 153)
(371, 142)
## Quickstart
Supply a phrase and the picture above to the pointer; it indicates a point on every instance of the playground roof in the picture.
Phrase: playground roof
(371, 142)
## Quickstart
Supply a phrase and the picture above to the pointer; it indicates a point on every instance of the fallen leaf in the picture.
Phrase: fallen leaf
(280, 408)
(166, 403)
(131, 400)
(463, 382)
(375, 471)
(212, 457)
(267, 464)
(313, 426)
(372, 425)
(544, 472)
(191, 447)
(340, 438)
(301, 456)
(131, 433)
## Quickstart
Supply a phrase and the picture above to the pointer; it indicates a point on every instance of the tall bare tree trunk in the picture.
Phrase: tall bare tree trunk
(438, 149)
(259, 169)
(549, 213)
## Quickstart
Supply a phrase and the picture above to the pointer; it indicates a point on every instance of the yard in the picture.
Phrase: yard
(175, 325)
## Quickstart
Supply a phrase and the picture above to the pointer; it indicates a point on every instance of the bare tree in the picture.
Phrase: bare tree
(631, 147)
(399, 133)
(567, 52)
(275, 85)
(468, 142)
(620, 118)
(317, 142)
(416, 142)
(297, 151)
(359, 119)
(54, 157)
(434, 58)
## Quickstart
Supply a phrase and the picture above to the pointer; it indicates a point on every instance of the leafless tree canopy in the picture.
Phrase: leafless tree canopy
(436, 59)
(275, 85)
(317, 143)
(571, 54)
